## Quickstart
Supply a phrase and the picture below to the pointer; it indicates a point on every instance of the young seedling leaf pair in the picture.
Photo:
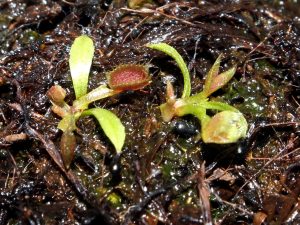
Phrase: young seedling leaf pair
(226, 126)
(80, 61)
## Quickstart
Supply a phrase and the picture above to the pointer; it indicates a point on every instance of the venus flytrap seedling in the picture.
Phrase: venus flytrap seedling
(226, 126)
(81, 55)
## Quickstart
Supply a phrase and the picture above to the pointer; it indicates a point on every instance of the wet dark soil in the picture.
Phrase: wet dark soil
(165, 174)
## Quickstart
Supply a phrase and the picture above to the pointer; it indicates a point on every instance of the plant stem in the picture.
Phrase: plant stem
(96, 94)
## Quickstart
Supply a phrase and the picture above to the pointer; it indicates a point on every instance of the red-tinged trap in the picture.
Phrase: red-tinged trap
(128, 77)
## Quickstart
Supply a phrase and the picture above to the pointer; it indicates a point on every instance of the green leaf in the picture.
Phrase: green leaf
(111, 125)
(224, 128)
(214, 81)
(220, 80)
(81, 56)
(169, 50)
(213, 72)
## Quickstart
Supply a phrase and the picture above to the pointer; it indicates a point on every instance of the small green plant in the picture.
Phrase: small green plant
(226, 126)
(80, 61)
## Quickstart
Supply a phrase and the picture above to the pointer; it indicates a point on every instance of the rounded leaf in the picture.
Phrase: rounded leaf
(81, 56)
(225, 127)
(111, 125)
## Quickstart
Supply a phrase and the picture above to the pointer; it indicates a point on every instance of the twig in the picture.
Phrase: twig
(204, 194)
(152, 12)
(15, 137)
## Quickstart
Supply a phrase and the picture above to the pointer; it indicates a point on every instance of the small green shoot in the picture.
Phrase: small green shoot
(214, 80)
(81, 56)
(226, 126)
